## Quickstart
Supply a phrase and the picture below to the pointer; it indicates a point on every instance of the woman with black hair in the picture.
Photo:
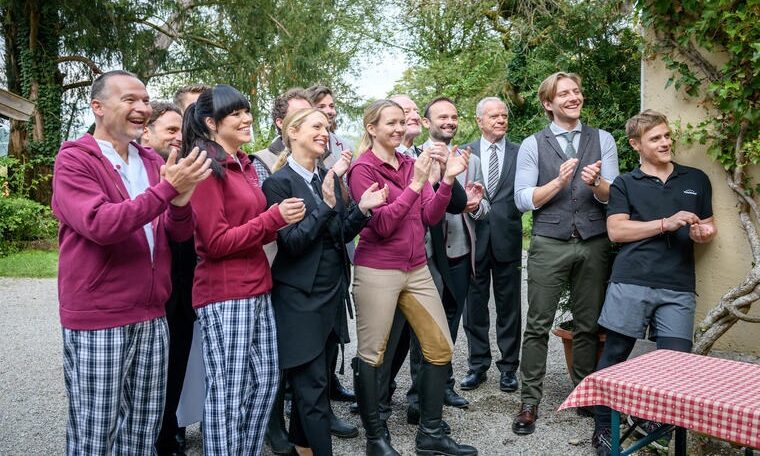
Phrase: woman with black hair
(311, 271)
(232, 280)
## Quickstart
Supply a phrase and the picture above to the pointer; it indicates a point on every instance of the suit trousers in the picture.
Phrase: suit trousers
(310, 411)
(377, 294)
(507, 300)
(181, 323)
(453, 297)
(553, 263)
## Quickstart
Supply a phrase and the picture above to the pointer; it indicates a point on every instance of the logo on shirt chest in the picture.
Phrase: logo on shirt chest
(690, 192)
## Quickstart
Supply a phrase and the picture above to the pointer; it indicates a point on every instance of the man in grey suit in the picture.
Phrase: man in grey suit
(498, 254)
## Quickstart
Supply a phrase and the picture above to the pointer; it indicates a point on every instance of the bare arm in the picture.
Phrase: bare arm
(621, 228)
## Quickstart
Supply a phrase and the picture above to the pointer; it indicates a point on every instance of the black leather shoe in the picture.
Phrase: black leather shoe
(340, 428)
(525, 421)
(472, 380)
(452, 399)
(339, 393)
(508, 382)
(413, 417)
(434, 445)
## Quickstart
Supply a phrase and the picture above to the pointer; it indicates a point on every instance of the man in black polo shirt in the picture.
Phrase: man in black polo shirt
(656, 212)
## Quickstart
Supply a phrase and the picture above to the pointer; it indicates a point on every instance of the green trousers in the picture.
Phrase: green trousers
(552, 263)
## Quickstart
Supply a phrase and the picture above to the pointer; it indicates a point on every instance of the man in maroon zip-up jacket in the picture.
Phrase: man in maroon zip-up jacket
(118, 206)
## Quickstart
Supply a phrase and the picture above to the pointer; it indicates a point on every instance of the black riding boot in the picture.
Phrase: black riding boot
(431, 440)
(276, 435)
(365, 386)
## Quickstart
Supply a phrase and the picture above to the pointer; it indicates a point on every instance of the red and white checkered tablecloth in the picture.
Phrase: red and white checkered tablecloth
(713, 396)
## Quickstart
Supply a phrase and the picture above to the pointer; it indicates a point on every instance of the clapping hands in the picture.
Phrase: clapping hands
(373, 197)
(475, 192)
(341, 166)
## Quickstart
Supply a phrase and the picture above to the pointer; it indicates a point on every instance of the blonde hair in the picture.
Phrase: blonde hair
(642, 122)
(372, 117)
(548, 88)
(294, 119)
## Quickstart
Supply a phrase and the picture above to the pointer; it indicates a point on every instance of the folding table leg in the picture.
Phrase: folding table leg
(680, 441)
(615, 428)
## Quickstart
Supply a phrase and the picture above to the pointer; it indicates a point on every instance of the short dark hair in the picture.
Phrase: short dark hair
(192, 88)
(426, 112)
(317, 92)
(159, 109)
(280, 107)
(99, 84)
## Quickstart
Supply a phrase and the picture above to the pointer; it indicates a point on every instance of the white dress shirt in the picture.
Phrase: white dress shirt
(485, 157)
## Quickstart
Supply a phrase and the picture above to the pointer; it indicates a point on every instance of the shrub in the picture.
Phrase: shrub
(23, 220)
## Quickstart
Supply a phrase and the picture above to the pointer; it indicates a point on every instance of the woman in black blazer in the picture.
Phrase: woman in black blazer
(311, 271)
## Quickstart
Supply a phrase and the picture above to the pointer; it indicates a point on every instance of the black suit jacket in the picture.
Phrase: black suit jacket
(300, 247)
(501, 231)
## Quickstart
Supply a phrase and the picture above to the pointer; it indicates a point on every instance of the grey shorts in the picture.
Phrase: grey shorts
(631, 309)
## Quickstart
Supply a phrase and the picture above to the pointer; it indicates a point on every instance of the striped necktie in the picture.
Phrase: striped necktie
(493, 169)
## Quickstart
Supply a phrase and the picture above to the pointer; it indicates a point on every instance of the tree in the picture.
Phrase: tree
(471, 49)
(683, 32)
(30, 30)
(593, 38)
(55, 48)
(453, 52)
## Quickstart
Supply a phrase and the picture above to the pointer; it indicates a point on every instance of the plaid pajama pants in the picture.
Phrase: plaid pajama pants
(116, 383)
(240, 353)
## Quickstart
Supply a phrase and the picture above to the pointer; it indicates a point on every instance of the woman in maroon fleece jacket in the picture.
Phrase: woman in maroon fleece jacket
(232, 279)
(391, 270)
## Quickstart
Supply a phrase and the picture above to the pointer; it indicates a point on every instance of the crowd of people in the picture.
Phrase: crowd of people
(166, 223)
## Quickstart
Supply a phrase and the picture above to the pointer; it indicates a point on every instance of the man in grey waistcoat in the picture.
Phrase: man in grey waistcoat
(498, 255)
(563, 175)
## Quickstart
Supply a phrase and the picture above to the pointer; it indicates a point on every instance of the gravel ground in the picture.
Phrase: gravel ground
(33, 399)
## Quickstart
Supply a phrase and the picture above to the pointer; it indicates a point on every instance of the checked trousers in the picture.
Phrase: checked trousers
(116, 383)
(240, 353)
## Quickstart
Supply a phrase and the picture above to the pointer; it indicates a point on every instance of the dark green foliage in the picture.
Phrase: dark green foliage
(23, 220)
(506, 49)
(592, 38)
(54, 48)
(731, 89)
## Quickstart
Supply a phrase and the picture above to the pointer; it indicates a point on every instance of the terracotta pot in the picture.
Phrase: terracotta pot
(567, 342)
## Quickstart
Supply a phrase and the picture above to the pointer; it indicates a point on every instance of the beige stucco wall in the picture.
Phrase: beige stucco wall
(723, 263)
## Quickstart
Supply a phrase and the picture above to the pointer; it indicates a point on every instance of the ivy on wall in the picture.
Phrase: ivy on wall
(685, 33)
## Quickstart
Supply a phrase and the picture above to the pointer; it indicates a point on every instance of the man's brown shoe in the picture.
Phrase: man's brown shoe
(525, 421)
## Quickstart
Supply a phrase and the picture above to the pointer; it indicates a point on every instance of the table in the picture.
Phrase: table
(717, 397)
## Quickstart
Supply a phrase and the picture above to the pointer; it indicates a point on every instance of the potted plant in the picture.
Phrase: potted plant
(564, 328)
